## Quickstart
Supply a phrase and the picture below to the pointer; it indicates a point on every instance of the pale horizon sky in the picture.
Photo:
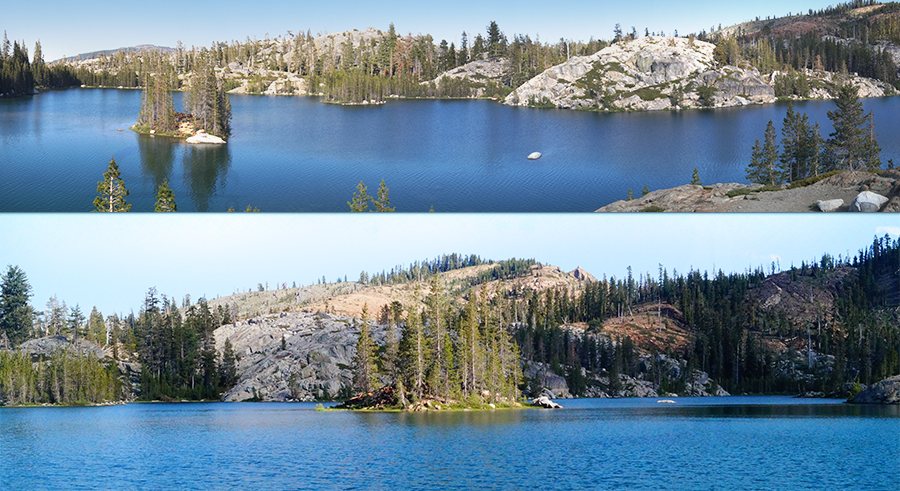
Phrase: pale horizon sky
(111, 260)
(71, 28)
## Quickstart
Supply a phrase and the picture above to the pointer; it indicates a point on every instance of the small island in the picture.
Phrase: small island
(207, 116)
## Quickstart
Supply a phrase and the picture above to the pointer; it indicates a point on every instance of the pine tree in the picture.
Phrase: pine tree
(157, 110)
(695, 178)
(15, 313)
(206, 99)
(766, 158)
(852, 145)
(165, 198)
(76, 320)
(228, 367)
(383, 203)
(360, 202)
(112, 191)
(365, 375)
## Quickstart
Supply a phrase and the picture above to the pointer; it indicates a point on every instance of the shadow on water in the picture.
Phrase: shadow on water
(205, 167)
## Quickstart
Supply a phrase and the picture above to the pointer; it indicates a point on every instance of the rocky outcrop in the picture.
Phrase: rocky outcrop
(650, 73)
(686, 198)
(885, 392)
(582, 274)
(545, 403)
(553, 385)
(315, 362)
(49, 345)
(477, 73)
(842, 187)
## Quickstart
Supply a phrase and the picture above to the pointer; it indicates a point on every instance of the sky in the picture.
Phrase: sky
(111, 260)
(67, 28)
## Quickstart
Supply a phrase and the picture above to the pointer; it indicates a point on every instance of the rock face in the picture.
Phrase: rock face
(867, 201)
(582, 274)
(650, 73)
(318, 353)
(478, 73)
(885, 392)
(555, 386)
(50, 344)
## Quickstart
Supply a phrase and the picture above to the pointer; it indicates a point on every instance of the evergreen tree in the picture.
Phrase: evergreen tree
(76, 320)
(228, 367)
(15, 312)
(852, 145)
(494, 40)
(768, 173)
(695, 178)
(157, 110)
(360, 202)
(383, 203)
(365, 376)
(112, 191)
(206, 99)
(165, 198)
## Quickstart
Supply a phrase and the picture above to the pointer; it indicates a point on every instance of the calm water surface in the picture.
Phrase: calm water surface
(296, 154)
(724, 443)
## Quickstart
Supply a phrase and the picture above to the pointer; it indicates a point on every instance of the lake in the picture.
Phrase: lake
(296, 154)
(712, 443)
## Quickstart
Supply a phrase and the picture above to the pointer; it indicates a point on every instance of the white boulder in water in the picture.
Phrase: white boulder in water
(534, 155)
(204, 137)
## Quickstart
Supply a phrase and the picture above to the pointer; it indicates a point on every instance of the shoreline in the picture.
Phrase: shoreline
(755, 198)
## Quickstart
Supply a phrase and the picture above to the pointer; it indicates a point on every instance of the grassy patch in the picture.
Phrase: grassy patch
(652, 209)
(812, 180)
(649, 94)
(743, 192)
(145, 130)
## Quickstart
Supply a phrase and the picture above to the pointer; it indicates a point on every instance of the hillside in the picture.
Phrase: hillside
(649, 73)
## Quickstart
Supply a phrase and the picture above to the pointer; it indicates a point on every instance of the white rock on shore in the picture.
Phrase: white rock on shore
(204, 137)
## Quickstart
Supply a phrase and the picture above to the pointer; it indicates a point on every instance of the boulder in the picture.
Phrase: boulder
(885, 392)
(545, 403)
(867, 201)
(204, 137)
(830, 204)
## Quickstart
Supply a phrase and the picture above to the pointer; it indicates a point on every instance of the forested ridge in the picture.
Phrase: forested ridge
(373, 65)
(817, 326)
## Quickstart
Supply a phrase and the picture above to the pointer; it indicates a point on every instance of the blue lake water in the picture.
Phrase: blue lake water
(723, 443)
(295, 154)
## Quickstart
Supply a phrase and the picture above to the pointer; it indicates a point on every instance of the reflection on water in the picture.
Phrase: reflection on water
(205, 167)
(157, 159)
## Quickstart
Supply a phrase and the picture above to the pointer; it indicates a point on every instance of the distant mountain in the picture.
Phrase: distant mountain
(107, 52)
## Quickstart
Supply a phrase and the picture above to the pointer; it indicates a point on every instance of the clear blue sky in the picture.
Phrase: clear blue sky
(69, 28)
(111, 260)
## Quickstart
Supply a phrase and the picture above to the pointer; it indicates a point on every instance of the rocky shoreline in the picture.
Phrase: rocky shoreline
(752, 198)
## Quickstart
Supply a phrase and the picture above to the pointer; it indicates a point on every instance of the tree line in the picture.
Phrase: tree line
(444, 352)
(729, 330)
(805, 153)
